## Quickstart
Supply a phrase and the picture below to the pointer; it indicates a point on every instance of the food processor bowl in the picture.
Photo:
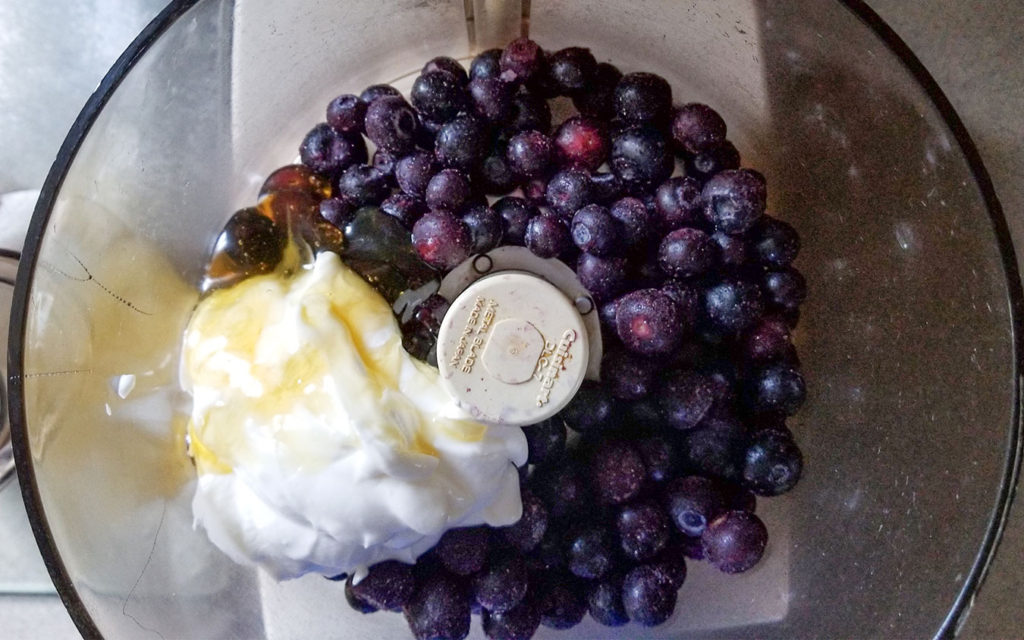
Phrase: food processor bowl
(910, 338)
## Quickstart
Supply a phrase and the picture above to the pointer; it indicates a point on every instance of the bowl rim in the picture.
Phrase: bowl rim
(140, 45)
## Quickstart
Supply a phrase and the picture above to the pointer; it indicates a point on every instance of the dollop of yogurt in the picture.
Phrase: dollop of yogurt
(321, 445)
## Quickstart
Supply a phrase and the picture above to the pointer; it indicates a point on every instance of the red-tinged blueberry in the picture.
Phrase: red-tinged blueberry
(640, 158)
(733, 305)
(502, 583)
(486, 64)
(785, 289)
(643, 530)
(535, 192)
(363, 185)
(643, 98)
(346, 113)
(604, 601)
(329, 151)
(648, 322)
(518, 623)
(516, 214)
(626, 375)
(686, 398)
(687, 252)
(604, 278)
(530, 154)
(678, 202)
(522, 59)
(388, 585)
(767, 341)
(438, 95)
(563, 604)
(461, 143)
(338, 211)
(692, 502)
(597, 99)
(545, 441)
(485, 227)
(707, 163)
(605, 187)
(734, 200)
(660, 458)
(547, 237)
(595, 231)
(591, 409)
(403, 207)
(439, 608)
(391, 124)
(568, 191)
(529, 530)
(648, 595)
(639, 224)
(734, 541)
(492, 98)
(733, 249)
(775, 243)
(571, 69)
(582, 142)
(529, 113)
(617, 471)
(590, 552)
(447, 189)
(254, 241)
(777, 388)
(772, 463)
(375, 91)
(463, 551)
(715, 448)
(413, 172)
(450, 65)
(441, 239)
(697, 127)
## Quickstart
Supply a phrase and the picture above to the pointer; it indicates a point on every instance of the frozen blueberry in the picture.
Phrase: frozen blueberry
(767, 341)
(448, 189)
(491, 98)
(463, 551)
(777, 387)
(715, 448)
(687, 252)
(688, 300)
(643, 530)
(529, 530)
(672, 560)
(547, 237)
(516, 214)
(697, 127)
(604, 278)
(604, 601)
(785, 289)
(660, 457)
(640, 158)
(595, 231)
(772, 463)
(486, 64)
(338, 211)
(590, 409)
(563, 604)
(549, 554)
(678, 202)
(639, 224)
(438, 96)
(605, 187)
(642, 97)
(738, 498)
(430, 312)
(450, 65)
(568, 191)
(441, 239)
(686, 398)
(571, 69)
(734, 200)
(405, 208)
(346, 113)
(733, 304)
(774, 242)
(648, 322)
(597, 98)
(530, 154)
(582, 142)
(439, 608)
(648, 595)
(545, 440)
(518, 623)
(502, 583)
(590, 552)
(461, 143)
(529, 113)
(617, 471)
(692, 502)
(375, 91)
(495, 177)
(355, 602)
(521, 59)
(363, 185)
(388, 585)
(329, 151)
(384, 161)
(735, 541)
(391, 124)
(485, 227)
(626, 375)
(733, 249)
(413, 172)
(707, 163)
(562, 489)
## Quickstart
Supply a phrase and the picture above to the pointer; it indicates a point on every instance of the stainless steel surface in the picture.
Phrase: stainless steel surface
(52, 55)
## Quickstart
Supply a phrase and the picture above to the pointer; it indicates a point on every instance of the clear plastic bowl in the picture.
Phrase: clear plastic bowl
(910, 339)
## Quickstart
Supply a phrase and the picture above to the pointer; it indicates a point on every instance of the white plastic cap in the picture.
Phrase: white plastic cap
(512, 350)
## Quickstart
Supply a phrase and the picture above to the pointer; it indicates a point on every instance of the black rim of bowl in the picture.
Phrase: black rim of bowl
(124, 64)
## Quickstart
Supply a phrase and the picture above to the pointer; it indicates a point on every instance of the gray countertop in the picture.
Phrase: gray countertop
(974, 50)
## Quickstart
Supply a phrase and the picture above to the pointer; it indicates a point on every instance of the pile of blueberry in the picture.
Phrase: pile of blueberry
(659, 462)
